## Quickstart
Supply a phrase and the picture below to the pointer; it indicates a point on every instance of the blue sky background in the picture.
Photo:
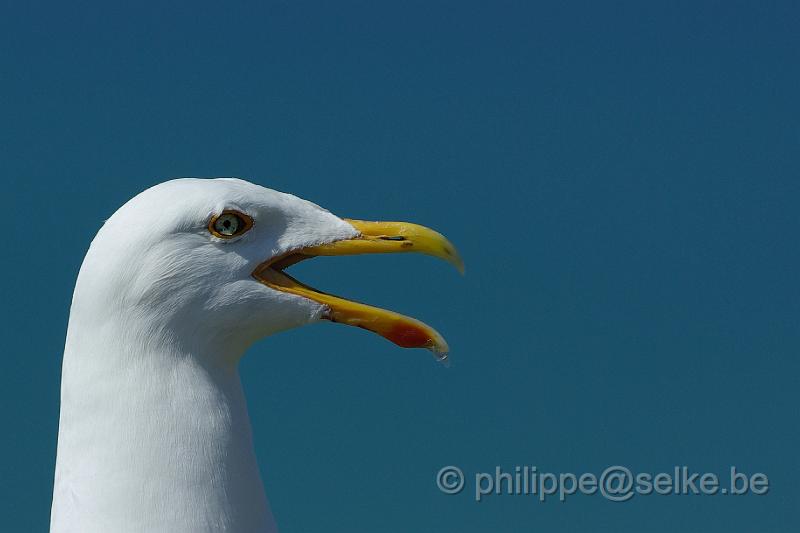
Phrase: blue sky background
(623, 182)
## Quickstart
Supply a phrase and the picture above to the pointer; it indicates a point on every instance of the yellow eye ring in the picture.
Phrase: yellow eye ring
(229, 224)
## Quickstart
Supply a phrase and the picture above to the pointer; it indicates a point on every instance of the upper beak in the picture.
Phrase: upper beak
(373, 238)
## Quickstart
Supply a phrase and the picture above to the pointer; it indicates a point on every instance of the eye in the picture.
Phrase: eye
(229, 224)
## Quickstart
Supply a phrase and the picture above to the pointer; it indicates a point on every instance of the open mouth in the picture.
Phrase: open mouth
(374, 237)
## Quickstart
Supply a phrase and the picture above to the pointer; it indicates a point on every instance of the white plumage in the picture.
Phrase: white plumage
(154, 433)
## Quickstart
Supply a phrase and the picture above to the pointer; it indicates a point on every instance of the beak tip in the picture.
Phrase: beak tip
(454, 258)
(439, 348)
(441, 354)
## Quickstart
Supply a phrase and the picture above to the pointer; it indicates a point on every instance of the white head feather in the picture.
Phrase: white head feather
(154, 433)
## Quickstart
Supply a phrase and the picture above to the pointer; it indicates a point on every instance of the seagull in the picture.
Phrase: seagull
(154, 434)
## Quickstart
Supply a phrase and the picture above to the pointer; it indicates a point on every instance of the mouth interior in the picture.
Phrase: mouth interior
(404, 331)
(273, 274)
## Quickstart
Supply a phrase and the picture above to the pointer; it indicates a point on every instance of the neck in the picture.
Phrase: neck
(153, 437)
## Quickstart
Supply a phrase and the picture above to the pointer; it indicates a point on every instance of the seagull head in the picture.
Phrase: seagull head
(206, 259)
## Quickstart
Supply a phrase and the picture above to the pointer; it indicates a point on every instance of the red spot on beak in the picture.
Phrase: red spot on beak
(409, 336)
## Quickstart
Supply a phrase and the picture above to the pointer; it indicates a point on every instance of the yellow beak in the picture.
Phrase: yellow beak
(373, 238)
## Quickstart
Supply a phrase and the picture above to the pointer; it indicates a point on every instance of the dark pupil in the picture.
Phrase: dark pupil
(228, 225)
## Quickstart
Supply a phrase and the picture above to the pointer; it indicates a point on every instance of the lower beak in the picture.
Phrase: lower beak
(373, 238)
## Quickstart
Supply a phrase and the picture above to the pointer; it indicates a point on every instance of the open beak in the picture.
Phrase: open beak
(373, 238)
